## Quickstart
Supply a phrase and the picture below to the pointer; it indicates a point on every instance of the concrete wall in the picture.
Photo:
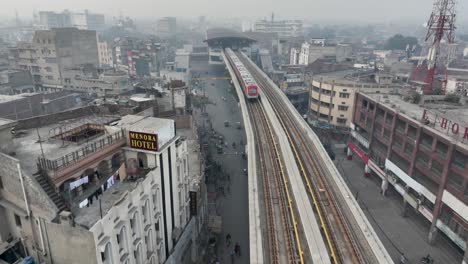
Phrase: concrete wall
(32, 105)
(70, 245)
(61, 104)
(43, 120)
(39, 202)
(14, 205)
(76, 47)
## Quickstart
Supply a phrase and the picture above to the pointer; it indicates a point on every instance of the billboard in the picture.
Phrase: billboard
(145, 141)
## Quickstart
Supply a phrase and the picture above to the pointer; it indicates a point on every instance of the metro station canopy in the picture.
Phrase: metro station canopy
(223, 38)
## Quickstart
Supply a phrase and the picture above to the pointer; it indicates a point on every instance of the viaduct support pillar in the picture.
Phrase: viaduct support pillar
(349, 154)
(367, 171)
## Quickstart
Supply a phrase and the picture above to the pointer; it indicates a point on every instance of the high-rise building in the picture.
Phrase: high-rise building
(284, 28)
(84, 20)
(53, 51)
(166, 26)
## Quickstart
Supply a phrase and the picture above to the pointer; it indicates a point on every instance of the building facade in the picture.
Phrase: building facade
(310, 52)
(53, 51)
(331, 98)
(422, 153)
(294, 56)
(284, 28)
(85, 20)
(105, 56)
(166, 26)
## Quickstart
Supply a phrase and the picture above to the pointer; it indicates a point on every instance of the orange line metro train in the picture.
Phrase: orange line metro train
(247, 82)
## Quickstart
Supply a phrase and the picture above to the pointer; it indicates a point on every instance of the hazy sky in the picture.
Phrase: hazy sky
(360, 10)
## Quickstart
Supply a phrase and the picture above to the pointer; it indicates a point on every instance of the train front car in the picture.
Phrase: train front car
(252, 91)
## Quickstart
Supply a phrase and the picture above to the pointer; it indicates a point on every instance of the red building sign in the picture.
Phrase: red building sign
(358, 152)
(444, 123)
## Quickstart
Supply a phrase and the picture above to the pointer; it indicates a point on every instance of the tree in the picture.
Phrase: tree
(399, 42)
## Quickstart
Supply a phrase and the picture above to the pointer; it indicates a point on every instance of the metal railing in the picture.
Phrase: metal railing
(75, 156)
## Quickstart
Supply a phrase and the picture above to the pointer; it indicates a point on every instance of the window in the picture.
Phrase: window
(17, 220)
(344, 95)
(145, 208)
(134, 224)
(155, 201)
(1, 183)
(343, 108)
(341, 120)
(122, 238)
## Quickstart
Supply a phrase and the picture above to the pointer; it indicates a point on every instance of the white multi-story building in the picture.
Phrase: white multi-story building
(53, 51)
(294, 56)
(131, 193)
(310, 52)
(284, 28)
(105, 56)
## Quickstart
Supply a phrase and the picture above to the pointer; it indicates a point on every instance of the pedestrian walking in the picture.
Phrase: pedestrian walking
(402, 258)
(237, 249)
(228, 240)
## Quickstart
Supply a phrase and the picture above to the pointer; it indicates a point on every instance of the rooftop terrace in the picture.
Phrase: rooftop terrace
(30, 144)
(435, 111)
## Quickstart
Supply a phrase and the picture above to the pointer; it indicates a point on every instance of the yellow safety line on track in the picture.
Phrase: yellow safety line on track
(314, 199)
(290, 201)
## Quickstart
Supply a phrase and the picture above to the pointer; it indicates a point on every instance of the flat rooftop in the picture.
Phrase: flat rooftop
(88, 216)
(141, 98)
(358, 78)
(9, 98)
(454, 113)
(6, 122)
(292, 90)
(27, 148)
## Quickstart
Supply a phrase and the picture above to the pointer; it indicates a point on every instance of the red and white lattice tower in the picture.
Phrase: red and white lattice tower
(441, 23)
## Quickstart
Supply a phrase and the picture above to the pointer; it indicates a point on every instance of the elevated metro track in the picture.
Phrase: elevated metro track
(347, 234)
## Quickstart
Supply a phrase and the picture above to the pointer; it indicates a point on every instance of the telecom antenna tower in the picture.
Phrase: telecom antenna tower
(441, 23)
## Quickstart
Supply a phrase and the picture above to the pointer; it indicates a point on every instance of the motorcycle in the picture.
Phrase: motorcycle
(427, 260)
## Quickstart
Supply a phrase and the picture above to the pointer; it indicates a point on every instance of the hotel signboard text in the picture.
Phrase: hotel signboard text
(145, 141)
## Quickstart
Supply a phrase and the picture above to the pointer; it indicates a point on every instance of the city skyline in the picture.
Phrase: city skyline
(416, 10)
